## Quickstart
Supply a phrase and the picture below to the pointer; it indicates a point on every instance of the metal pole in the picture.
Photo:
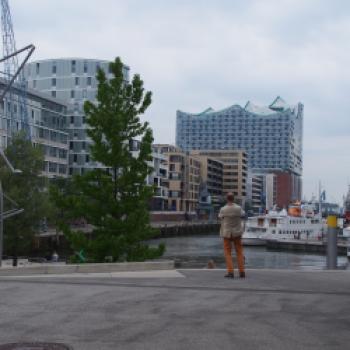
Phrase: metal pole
(1, 222)
(332, 249)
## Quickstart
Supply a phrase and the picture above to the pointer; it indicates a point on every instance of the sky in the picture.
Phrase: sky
(196, 54)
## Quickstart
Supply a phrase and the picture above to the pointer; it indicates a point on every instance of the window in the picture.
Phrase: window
(89, 81)
(37, 68)
(73, 66)
(85, 67)
(52, 167)
(75, 158)
(62, 169)
(87, 158)
(53, 82)
(76, 81)
(62, 153)
(97, 67)
(84, 93)
(33, 114)
(53, 93)
(54, 68)
(72, 94)
(53, 152)
(34, 83)
(72, 119)
(71, 145)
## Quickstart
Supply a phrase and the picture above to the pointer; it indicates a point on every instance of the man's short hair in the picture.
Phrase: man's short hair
(229, 197)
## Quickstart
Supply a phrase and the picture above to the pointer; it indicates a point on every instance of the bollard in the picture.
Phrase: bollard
(332, 249)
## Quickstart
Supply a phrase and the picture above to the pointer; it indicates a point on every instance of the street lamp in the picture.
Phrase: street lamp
(10, 212)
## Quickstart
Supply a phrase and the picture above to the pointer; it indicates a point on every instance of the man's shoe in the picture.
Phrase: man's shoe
(242, 274)
(229, 275)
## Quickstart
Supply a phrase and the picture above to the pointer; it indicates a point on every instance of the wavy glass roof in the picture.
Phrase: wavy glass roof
(277, 106)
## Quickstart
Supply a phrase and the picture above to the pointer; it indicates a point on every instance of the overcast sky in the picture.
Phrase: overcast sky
(195, 54)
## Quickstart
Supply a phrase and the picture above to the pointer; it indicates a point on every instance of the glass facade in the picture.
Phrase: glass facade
(271, 136)
(46, 124)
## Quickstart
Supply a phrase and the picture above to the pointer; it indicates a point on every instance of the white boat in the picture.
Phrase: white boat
(252, 235)
(297, 224)
(252, 239)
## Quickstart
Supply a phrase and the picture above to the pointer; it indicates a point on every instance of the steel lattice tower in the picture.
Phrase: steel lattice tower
(18, 116)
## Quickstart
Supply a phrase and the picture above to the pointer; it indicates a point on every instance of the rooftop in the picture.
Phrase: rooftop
(278, 105)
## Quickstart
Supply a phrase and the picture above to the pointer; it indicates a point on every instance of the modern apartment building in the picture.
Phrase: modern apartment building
(271, 136)
(211, 179)
(234, 170)
(46, 125)
(158, 178)
(72, 80)
(183, 179)
(255, 194)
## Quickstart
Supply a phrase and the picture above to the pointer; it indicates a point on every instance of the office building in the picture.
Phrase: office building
(255, 201)
(183, 179)
(234, 171)
(72, 80)
(46, 125)
(158, 179)
(211, 180)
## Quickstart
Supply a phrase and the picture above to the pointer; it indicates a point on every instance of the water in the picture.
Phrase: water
(196, 251)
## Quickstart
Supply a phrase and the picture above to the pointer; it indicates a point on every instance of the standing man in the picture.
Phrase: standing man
(231, 231)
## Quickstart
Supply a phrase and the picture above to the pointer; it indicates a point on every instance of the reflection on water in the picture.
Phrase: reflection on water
(196, 251)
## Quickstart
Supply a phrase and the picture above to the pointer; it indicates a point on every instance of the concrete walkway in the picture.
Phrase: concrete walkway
(186, 309)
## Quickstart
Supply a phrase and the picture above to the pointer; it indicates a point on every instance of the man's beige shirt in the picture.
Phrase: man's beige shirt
(231, 220)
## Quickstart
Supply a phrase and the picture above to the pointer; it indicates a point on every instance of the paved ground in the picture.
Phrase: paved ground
(271, 309)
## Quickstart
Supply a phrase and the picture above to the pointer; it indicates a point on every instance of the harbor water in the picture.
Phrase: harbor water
(196, 251)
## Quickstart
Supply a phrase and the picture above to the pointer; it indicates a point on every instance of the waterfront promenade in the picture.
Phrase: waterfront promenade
(179, 309)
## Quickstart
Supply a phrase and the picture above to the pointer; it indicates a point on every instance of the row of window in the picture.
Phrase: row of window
(52, 167)
(76, 81)
(73, 67)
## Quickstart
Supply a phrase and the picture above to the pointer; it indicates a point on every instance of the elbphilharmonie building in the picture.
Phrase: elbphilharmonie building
(271, 135)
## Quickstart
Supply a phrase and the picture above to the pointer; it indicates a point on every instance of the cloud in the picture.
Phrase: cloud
(216, 53)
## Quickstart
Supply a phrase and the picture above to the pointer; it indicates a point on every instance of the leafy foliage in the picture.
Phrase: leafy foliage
(113, 198)
(27, 190)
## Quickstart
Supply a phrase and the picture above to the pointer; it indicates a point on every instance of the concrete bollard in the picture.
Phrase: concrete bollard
(332, 238)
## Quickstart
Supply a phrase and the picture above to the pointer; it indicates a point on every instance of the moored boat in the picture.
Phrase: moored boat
(299, 223)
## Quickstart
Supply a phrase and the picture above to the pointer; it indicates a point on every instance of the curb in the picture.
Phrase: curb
(88, 268)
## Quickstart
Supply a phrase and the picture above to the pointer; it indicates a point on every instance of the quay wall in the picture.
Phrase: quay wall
(303, 246)
(187, 229)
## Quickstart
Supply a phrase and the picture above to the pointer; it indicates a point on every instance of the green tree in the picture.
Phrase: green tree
(114, 200)
(27, 190)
